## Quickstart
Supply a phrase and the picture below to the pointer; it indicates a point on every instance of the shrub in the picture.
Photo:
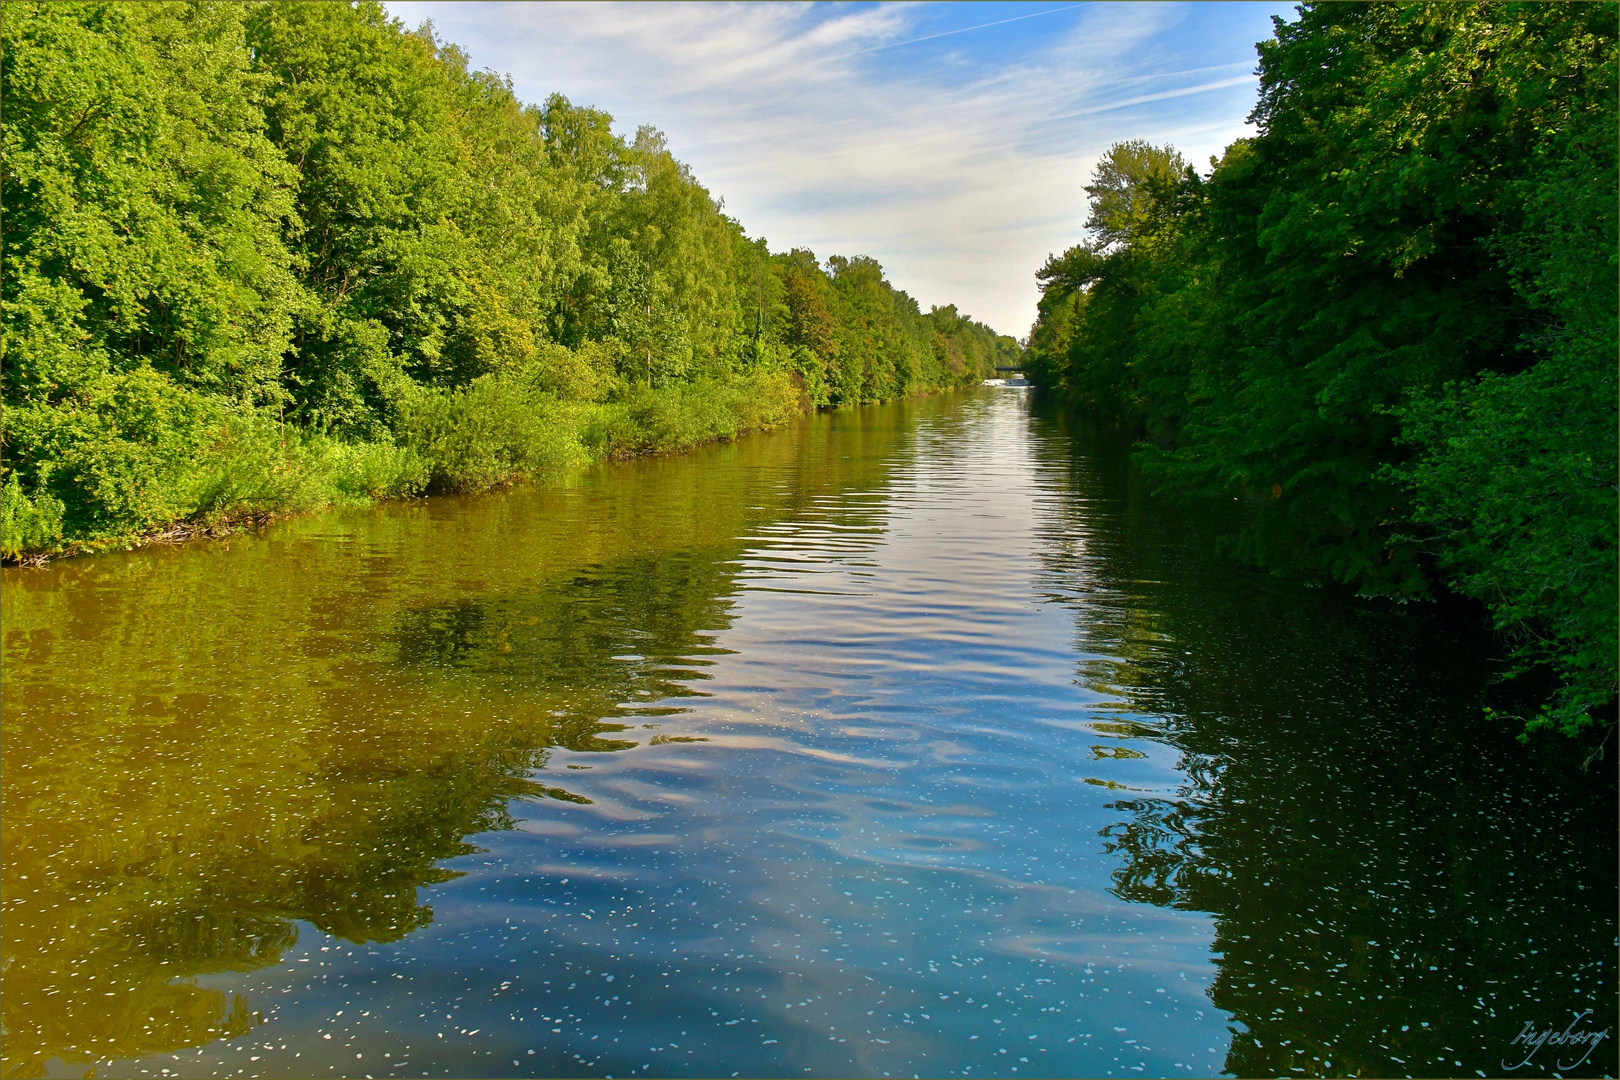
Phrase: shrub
(490, 432)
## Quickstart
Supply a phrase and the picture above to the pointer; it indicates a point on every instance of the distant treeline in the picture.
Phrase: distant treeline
(275, 256)
(1387, 322)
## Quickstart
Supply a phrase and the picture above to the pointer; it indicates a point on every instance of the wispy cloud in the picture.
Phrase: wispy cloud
(964, 30)
(956, 161)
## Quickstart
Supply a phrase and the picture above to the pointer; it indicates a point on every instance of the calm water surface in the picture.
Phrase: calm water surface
(912, 740)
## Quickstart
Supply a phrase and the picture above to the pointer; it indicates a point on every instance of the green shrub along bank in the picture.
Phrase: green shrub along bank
(273, 257)
(1387, 322)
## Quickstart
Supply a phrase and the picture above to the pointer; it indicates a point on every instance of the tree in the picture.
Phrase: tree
(1385, 323)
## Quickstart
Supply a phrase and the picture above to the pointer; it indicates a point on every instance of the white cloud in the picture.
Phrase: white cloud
(956, 170)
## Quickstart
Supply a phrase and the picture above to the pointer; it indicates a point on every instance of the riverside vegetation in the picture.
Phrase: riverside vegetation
(1385, 324)
(273, 257)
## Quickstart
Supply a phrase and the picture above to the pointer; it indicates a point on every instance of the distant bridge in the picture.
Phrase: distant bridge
(1017, 368)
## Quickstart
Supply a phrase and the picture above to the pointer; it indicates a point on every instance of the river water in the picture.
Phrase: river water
(914, 740)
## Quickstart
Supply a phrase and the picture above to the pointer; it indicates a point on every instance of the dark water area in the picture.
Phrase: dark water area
(914, 740)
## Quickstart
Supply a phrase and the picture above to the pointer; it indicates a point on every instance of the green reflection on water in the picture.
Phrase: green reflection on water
(1398, 885)
(205, 745)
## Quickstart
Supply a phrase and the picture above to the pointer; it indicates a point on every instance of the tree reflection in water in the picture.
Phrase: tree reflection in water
(206, 746)
(207, 749)
(1398, 884)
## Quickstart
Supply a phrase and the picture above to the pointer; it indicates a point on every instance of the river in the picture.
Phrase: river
(912, 740)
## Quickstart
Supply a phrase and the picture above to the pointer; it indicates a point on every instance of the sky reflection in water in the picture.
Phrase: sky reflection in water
(912, 740)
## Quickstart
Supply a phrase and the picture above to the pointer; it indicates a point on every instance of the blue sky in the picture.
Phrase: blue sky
(947, 140)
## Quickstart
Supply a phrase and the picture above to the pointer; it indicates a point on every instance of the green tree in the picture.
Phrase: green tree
(268, 257)
(146, 281)
(1385, 323)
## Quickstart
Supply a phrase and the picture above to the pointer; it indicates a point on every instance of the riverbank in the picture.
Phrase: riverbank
(1407, 393)
(248, 470)
(490, 437)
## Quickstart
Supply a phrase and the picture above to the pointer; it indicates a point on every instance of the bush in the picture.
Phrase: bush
(490, 432)
(27, 524)
(682, 415)
(256, 469)
(360, 472)
(117, 454)
(139, 454)
(1519, 486)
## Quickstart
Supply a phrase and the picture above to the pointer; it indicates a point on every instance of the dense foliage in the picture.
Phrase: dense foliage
(1387, 322)
(271, 256)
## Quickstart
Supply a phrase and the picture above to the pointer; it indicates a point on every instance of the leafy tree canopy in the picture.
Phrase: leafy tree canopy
(1387, 322)
(275, 255)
